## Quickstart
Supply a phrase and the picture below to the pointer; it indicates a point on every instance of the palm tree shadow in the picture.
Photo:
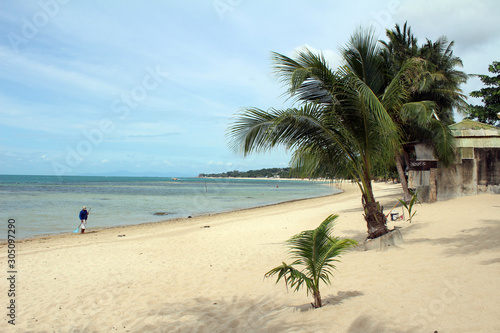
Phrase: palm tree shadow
(469, 241)
(491, 261)
(360, 236)
(357, 235)
(366, 324)
(351, 210)
(331, 300)
(386, 201)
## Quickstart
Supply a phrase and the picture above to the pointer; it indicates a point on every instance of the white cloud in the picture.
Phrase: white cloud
(60, 77)
(468, 22)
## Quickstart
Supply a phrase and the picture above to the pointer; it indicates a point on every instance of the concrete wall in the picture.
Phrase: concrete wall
(420, 180)
(457, 181)
(469, 177)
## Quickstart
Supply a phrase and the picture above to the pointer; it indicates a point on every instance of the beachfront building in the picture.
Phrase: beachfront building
(477, 169)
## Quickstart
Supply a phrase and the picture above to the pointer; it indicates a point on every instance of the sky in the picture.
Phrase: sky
(150, 87)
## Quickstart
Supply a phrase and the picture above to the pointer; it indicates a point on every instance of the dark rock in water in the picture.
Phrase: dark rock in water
(162, 213)
(189, 216)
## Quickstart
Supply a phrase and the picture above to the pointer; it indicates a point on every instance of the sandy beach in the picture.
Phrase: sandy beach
(206, 274)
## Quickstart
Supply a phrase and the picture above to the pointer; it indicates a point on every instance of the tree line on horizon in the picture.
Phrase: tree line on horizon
(261, 173)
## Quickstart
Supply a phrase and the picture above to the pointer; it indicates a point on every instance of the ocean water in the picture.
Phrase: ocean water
(44, 205)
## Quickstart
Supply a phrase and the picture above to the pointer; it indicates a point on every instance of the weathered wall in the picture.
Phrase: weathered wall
(488, 169)
(419, 180)
(456, 181)
(470, 177)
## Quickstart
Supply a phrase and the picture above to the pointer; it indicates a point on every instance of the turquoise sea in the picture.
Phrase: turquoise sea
(43, 205)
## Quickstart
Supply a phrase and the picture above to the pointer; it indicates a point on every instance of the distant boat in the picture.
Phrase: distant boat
(174, 178)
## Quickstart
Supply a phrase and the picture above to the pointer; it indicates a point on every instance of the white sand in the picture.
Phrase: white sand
(182, 277)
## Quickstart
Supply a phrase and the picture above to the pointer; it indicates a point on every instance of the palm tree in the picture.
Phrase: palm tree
(343, 123)
(439, 81)
(402, 45)
(317, 251)
(438, 84)
(444, 86)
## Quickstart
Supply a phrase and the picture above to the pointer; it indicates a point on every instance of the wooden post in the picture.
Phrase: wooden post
(432, 185)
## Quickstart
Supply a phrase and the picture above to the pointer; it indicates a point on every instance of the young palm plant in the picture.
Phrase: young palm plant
(409, 205)
(316, 251)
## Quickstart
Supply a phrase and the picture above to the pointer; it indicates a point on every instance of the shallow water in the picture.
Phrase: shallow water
(50, 205)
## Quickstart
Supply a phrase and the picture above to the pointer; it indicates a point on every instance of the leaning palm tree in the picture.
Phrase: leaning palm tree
(342, 123)
(316, 251)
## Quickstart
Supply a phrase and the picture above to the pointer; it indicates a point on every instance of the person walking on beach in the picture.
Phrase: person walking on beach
(84, 214)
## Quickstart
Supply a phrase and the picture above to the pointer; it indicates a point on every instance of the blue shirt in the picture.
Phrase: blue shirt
(83, 214)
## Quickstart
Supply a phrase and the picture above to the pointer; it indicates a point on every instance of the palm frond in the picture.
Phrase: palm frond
(375, 119)
(363, 58)
(309, 77)
(422, 115)
(310, 129)
(292, 277)
(324, 162)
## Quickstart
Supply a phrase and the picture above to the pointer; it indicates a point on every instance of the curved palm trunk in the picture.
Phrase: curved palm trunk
(374, 215)
(402, 177)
